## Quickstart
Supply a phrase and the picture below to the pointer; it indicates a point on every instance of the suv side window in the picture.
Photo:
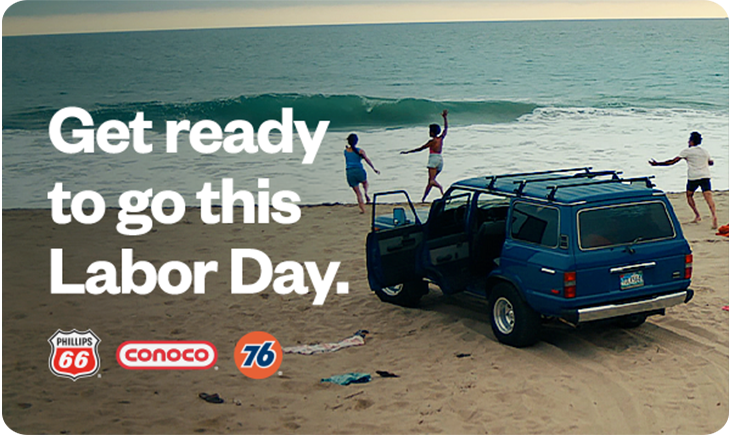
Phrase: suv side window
(535, 223)
(448, 215)
(491, 208)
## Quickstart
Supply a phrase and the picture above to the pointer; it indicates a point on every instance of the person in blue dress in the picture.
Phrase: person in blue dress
(354, 172)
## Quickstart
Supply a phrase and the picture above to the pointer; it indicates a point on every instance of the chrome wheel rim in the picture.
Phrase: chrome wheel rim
(504, 315)
(393, 290)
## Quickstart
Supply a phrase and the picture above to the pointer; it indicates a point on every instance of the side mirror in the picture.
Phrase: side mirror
(400, 217)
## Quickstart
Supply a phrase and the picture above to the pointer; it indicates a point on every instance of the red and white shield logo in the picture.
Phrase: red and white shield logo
(74, 354)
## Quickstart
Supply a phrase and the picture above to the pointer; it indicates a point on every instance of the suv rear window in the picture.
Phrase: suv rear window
(623, 224)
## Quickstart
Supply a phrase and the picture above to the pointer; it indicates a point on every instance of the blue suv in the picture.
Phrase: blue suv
(571, 244)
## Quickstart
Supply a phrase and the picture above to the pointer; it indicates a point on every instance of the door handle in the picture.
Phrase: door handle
(445, 258)
(404, 243)
(546, 270)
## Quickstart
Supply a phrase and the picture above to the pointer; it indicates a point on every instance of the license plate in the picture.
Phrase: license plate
(631, 280)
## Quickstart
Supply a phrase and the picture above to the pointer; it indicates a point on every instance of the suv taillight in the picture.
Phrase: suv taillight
(689, 266)
(569, 285)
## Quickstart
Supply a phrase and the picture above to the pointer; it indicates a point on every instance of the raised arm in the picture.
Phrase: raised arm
(445, 122)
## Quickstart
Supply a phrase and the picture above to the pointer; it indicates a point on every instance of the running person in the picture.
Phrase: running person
(435, 159)
(354, 172)
(698, 160)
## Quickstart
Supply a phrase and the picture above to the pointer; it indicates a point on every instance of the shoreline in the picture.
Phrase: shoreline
(323, 204)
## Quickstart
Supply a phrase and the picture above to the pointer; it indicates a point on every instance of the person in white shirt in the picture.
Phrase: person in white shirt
(698, 160)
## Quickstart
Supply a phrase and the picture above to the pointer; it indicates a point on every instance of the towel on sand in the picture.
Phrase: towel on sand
(349, 378)
(357, 339)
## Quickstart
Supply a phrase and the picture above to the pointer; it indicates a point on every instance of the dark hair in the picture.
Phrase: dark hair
(695, 138)
(352, 141)
(434, 129)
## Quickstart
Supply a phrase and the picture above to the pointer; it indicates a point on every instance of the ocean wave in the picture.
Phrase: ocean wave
(551, 113)
(344, 112)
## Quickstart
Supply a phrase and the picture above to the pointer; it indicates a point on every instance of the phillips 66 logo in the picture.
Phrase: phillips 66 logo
(74, 354)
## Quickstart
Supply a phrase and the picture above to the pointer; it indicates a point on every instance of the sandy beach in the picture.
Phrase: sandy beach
(668, 376)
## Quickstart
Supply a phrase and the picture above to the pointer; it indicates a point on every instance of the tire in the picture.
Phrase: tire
(513, 321)
(631, 321)
(404, 294)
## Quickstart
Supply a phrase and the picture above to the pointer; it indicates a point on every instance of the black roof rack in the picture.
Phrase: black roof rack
(493, 178)
(646, 180)
(587, 174)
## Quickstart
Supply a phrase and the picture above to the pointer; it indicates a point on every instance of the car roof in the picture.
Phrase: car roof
(573, 185)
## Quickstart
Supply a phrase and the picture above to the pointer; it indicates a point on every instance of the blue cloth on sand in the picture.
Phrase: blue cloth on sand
(349, 378)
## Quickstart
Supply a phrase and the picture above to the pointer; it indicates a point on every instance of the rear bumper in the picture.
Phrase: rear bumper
(616, 310)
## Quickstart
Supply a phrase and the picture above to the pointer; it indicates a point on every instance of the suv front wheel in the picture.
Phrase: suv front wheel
(405, 294)
(513, 321)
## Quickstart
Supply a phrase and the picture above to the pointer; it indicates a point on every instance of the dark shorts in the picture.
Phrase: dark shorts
(703, 183)
(355, 176)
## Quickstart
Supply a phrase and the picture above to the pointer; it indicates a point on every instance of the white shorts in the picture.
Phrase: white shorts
(435, 161)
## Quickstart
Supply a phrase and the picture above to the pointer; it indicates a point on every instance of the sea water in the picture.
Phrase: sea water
(521, 96)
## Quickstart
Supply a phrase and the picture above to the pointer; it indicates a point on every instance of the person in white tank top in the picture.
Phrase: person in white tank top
(698, 160)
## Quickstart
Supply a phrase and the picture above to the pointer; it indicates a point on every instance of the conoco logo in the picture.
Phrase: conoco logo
(167, 355)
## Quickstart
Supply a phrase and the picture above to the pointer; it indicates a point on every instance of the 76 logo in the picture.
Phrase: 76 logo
(258, 355)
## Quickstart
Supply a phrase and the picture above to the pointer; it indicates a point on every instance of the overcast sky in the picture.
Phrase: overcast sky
(65, 16)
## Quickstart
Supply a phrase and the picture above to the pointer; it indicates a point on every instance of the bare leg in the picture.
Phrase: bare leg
(431, 174)
(357, 191)
(427, 190)
(712, 208)
(436, 184)
(365, 192)
(692, 204)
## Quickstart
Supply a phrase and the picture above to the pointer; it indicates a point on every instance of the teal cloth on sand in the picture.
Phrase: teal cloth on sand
(349, 378)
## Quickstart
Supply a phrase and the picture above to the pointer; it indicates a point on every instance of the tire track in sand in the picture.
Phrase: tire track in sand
(642, 376)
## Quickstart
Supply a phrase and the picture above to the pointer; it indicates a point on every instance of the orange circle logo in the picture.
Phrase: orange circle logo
(258, 355)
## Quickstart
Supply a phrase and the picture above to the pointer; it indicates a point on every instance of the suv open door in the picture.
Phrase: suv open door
(446, 260)
(392, 255)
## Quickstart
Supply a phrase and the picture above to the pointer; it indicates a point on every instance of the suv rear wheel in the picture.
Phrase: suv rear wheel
(513, 321)
(405, 294)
